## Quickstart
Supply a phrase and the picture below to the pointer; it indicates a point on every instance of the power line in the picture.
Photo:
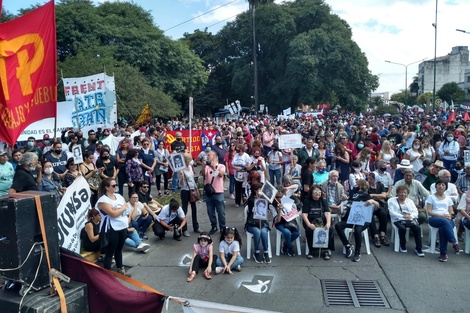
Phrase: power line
(222, 21)
(223, 5)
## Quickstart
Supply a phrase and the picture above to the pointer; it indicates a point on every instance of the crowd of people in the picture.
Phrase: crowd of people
(408, 170)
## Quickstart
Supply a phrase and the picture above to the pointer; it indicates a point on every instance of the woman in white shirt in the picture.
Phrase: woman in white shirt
(386, 153)
(429, 152)
(112, 208)
(449, 150)
(239, 162)
(416, 155)
(441, 215)
(187, 182)
(404, 214)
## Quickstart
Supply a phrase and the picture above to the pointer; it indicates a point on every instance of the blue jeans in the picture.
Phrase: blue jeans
(142, 224)
(133, 240)
(215, 203)
(258, 234)
(449, 164)
(275, 174)
(231, 187)
(175, 181)
(238, 261)
(446, 231)
(289, 237)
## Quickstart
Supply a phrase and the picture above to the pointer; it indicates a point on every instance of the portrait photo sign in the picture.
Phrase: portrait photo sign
(360, 213)
(260, 211)
(268, 191)
(177, 163)
(320, 237)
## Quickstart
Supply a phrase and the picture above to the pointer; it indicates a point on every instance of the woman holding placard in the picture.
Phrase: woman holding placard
(316, 217)
(284, 222)
(257, 207)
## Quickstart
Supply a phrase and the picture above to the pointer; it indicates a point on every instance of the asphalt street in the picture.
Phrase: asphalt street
(294, 284)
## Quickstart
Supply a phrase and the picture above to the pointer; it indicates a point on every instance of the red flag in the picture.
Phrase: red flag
(28, 71)
(466, 117)
(450, 118)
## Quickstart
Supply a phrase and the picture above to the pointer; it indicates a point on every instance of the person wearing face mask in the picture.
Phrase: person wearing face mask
(148, 161)
(356, 174)
(51, 182)
(220, 148)
(416, 155)
(6, 173)
(321, 174)
(28, 175)
(383, 176)
(357, 149)
(449, 151)
(456, 172)
(58, 158)
(187, 183)
(463, 182)
(31, 147)
(109, 166)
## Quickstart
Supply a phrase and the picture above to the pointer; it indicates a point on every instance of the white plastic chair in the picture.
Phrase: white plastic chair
(297, 241)
(249, 237)
(396, 237)
(433, 237)
(365, 235)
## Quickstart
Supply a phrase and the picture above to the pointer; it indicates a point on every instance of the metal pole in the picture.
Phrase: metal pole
(406, 75)
(435, 51)
(255, 62)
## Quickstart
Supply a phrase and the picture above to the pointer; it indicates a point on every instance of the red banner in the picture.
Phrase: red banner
(28, 71)
(195, 145)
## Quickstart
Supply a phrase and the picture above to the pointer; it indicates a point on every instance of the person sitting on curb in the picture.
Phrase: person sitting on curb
(147, 200)
(171, 218)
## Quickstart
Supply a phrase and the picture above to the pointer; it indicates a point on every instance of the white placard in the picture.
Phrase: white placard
(360, 213)
(177, 163)
(261, 209)
(77, 154)
(320, 237)
(71, 214)
(290, 141)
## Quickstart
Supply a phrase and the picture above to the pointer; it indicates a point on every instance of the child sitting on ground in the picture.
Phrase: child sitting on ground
(229, 251)
(203, 257)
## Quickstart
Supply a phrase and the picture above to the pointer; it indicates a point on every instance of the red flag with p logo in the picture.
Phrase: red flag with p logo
(28, 71)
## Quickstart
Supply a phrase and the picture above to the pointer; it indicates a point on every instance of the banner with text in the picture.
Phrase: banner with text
(72, 212)
(94, 101)
(196, 145)
(28, 71)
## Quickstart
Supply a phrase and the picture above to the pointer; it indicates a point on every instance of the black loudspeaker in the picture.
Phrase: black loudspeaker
(76, 297)
(21, 242)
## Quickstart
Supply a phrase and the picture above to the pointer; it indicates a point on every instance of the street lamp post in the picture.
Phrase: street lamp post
(463, 31)
(435, 51)
(406, 75)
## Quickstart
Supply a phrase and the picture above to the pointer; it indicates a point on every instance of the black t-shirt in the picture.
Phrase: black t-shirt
(315, 209)
(23, 180)
(379, 188)
(178, 146)
(147, 198)
(57, 163)
(395, 139)
(306, 179)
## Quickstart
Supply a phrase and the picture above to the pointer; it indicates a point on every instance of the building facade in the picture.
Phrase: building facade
(449, 68)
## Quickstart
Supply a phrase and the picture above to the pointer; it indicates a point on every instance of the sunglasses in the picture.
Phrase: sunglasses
(145, 187)
(113, 186)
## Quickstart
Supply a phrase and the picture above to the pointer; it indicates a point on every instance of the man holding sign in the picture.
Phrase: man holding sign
(358, 217)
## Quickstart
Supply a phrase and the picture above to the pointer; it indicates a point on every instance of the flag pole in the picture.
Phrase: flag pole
(191, 113)
(76, 110)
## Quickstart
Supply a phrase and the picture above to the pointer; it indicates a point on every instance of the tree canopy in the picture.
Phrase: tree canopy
(451, 92)
(305, 55)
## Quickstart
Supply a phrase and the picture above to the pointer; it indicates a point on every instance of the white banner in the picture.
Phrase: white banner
(360, 213)
(95, 101)
(287, 111)
(290, 141)
(46, 126)
(71, 214)
(198, 306)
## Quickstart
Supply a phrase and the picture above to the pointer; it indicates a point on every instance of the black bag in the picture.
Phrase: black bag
(209, 189)
(292, 226)
(104, 236)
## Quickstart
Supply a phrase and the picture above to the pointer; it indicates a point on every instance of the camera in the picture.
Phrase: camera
(208, 163)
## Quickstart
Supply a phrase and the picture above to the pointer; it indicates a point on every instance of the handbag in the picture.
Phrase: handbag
(209, 189)
(292, 226)
(104, 236)
(193, 193)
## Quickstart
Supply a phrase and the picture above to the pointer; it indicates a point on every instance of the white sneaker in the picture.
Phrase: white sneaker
(140, 247)
(219, 270)
(232, 196)
(238, 268)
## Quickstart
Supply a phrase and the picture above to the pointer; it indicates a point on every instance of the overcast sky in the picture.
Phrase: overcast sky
(400, 31)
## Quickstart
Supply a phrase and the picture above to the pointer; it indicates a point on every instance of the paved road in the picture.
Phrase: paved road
(409, 283)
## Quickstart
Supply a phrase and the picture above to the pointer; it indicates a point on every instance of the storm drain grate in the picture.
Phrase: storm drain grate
(357, 293)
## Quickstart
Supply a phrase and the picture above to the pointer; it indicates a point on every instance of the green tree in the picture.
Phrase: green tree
(385, 109)
(424, 98)
(451, 91)
(305, 55)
